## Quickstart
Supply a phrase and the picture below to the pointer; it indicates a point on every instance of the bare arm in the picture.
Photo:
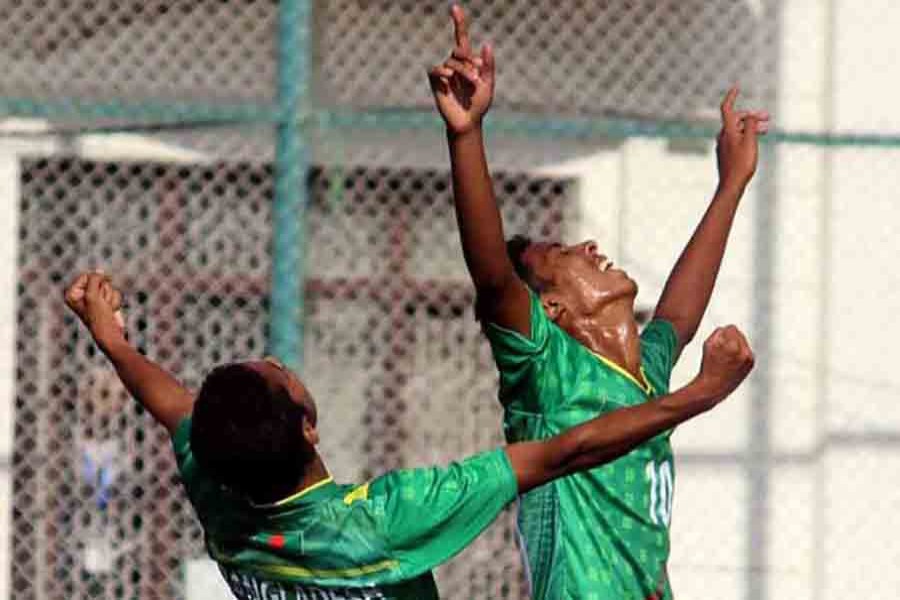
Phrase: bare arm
(463, 88)
(96, 303)
(155, 388)
(689, 287)
(727, 360)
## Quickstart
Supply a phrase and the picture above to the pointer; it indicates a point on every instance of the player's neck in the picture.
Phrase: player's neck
(314, 474)
(613, 334)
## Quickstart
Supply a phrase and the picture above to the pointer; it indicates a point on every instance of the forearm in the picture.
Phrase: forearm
(480, 223)
(607, 437)
(689, 287)
(158, 391)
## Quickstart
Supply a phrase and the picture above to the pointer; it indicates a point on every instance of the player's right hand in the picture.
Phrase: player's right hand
(98, 304)
(727, 360)
(463, 85)
(737, 146)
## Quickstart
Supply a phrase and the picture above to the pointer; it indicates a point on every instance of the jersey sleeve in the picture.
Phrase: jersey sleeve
(181, 442)
(515, 354)
(431, 514)
(212, 502)
(658, 345)
(195, 483)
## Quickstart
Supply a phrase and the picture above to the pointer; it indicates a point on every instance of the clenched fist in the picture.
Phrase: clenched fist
(727, 360)
(98, 304)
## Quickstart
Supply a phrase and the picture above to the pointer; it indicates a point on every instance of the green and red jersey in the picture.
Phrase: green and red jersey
(602, 534)
(375, 541)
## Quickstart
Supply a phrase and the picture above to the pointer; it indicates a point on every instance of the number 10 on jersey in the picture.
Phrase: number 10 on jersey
(661, 489)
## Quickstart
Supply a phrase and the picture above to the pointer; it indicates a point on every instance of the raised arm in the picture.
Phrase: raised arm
(463, 88)
(727, 360)
(689, 287)
(96, 302)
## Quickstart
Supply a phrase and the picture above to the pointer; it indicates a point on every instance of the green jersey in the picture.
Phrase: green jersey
(375, 541)
(601, 534)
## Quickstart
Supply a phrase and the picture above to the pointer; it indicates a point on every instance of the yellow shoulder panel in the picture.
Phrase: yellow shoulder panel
(360, 493)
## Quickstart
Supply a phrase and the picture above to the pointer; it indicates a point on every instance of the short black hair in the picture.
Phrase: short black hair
(515, 248)
(248, 434)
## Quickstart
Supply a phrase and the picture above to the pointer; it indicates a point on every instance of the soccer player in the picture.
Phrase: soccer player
(560, 320)
(277, 524)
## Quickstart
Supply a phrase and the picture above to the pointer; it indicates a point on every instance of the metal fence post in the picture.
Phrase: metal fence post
(291, 164)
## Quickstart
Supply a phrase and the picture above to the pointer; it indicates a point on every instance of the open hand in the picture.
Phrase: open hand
(727, 360)
(463, 85)
(737, 148)
(98, 304)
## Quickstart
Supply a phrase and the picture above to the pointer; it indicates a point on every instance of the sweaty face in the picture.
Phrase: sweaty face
(277, 375)
(579, 277)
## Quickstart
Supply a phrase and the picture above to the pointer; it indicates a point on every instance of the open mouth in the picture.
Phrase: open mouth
(604, 264)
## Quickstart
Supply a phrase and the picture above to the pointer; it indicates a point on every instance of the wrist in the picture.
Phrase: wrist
(471, 130)
(732, 185)
(111, 343)
(701, 394)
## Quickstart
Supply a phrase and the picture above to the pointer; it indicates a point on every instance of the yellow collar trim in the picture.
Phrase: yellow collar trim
(647, 388)
(293, 497)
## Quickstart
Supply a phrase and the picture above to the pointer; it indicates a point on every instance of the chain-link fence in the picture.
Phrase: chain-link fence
(156, 139)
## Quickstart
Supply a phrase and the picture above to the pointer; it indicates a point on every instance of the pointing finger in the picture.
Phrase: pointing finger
(728, 120)
(460, 28)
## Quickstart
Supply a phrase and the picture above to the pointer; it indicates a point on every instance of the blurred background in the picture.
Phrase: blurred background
(262, 174)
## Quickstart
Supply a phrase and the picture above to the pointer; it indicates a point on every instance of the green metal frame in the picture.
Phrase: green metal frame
(291, 165)
(296, 92)
(155, 112)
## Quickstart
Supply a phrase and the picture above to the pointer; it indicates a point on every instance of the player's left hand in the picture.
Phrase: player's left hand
(737, 148)
(727, 360)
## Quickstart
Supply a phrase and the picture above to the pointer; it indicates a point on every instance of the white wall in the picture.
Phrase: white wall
(863, 383)
(9, 198)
